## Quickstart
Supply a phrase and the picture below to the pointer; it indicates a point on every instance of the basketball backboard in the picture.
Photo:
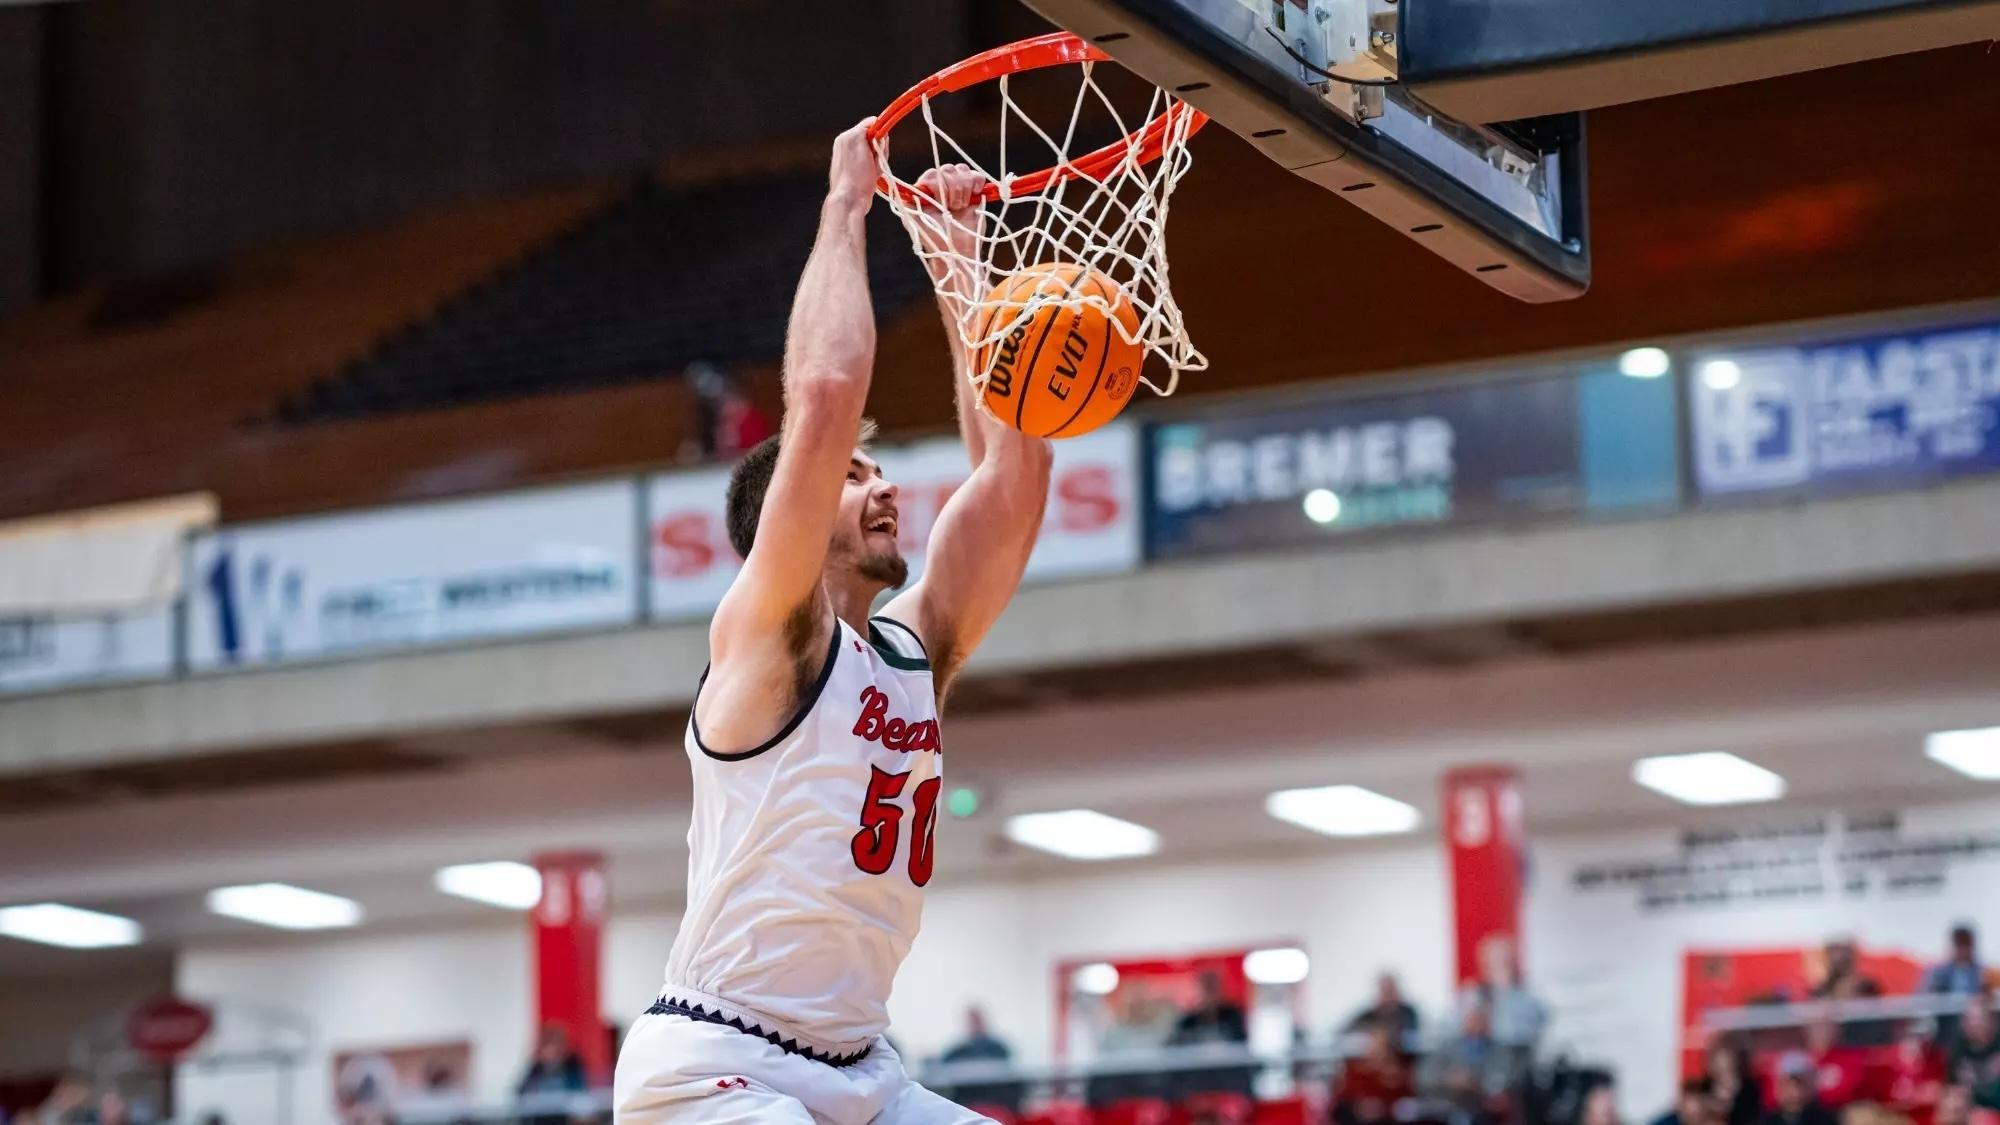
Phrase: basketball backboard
(1312, 84)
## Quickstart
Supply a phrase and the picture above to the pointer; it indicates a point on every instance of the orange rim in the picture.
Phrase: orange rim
(1058, 48)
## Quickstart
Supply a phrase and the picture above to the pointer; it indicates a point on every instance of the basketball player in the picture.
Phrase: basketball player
(814, 738)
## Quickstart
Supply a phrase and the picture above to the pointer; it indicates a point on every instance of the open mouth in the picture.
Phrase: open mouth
(885, 524)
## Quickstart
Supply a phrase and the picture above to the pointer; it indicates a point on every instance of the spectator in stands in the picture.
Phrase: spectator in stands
(1974, 1060)
(1144, 1021)
(982, 1046)
(1842, 1071)
(1960, 973)
(1517, 1018)
(554, 1071)
(1600, 1106)
(1797, 1088)
(1696, 1105)
(1371, 1086)
(1471, 1069)
(1842, 978)
(727, 423)
(1214, 1019)
(112, 1110)
(1915, 1075)
(1954, 1106)
(1736, 1089)
(979, 1044)
(1388, 1010)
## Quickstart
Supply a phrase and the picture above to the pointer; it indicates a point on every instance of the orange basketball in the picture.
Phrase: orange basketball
(1061, 371)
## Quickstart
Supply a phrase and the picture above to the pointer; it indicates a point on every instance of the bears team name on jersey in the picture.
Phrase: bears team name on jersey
(876, 725)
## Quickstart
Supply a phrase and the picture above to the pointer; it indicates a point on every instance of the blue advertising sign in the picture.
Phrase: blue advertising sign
(1566, 442)
(1883, 411)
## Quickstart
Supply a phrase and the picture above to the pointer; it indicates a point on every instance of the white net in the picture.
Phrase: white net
(1102, 209)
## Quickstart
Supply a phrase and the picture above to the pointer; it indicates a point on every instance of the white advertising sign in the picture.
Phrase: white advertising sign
(41, 653)
(1092, 525)
(554, 559)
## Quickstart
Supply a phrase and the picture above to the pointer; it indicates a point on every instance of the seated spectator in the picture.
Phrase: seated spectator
(1842, 978)
(1389, 1010)
(1954, 1106)
(981, 1045)
(1472, 1070)
(726, 422)
(1600, 1106)
(1736, 1090)
(1843, 1076)
(1516, 1016)
(1213, 1020)
(1915, 1075)
(1974, 1059)
(1797, 1091)
(112, 1110)
(554, 1070)
(1370, 1086)
(1960, 973)
(1696, 1105)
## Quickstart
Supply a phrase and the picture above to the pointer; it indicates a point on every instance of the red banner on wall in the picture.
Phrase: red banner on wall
(1483, 835)
(569, 935)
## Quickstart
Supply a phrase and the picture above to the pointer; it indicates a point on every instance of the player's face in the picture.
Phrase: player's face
(864, 538)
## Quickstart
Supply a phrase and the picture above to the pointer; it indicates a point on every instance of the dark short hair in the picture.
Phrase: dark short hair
(750, 479)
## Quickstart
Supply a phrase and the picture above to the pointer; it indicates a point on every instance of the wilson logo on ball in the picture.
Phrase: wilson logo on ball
(1074, 350)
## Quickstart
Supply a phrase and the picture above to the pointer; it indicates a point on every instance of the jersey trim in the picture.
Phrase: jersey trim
(798, 716)
(919, 663)
(674, 1006)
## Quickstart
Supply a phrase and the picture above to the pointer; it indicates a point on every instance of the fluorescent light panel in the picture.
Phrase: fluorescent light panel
(1276, 966)
(1343, 810)
(284, 906)
(1083, 834)
(1099, 978)
(1711, 778)
(52, 923)
(1974, 753)
(1721, 374)
(1645, 363)
(502, 883)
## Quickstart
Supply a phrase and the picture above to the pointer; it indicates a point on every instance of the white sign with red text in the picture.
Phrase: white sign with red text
(1092, 525)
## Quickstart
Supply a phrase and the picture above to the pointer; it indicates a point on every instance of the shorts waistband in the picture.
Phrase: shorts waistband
(704, 1008)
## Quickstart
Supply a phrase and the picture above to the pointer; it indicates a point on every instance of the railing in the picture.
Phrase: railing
(1169, 1072)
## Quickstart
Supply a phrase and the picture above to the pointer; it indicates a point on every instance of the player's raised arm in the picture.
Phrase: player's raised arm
(981, 541)
(829, 359)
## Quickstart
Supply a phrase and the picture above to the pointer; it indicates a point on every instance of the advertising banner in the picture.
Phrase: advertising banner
(1568, 442)
(495, 566)
(42, 653)
(1864, 412)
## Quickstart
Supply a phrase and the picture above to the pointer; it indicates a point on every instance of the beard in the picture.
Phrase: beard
(885, 567)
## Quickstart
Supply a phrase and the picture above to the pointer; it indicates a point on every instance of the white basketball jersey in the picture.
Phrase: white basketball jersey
(808, 855)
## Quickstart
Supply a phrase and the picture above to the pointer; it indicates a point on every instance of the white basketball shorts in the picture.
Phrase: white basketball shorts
(674, 1070)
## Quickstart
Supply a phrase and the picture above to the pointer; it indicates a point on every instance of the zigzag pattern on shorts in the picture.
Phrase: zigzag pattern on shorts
(668, 1006)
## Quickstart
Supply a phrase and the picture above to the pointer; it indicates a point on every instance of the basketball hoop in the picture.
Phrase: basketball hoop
(1104, 210)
